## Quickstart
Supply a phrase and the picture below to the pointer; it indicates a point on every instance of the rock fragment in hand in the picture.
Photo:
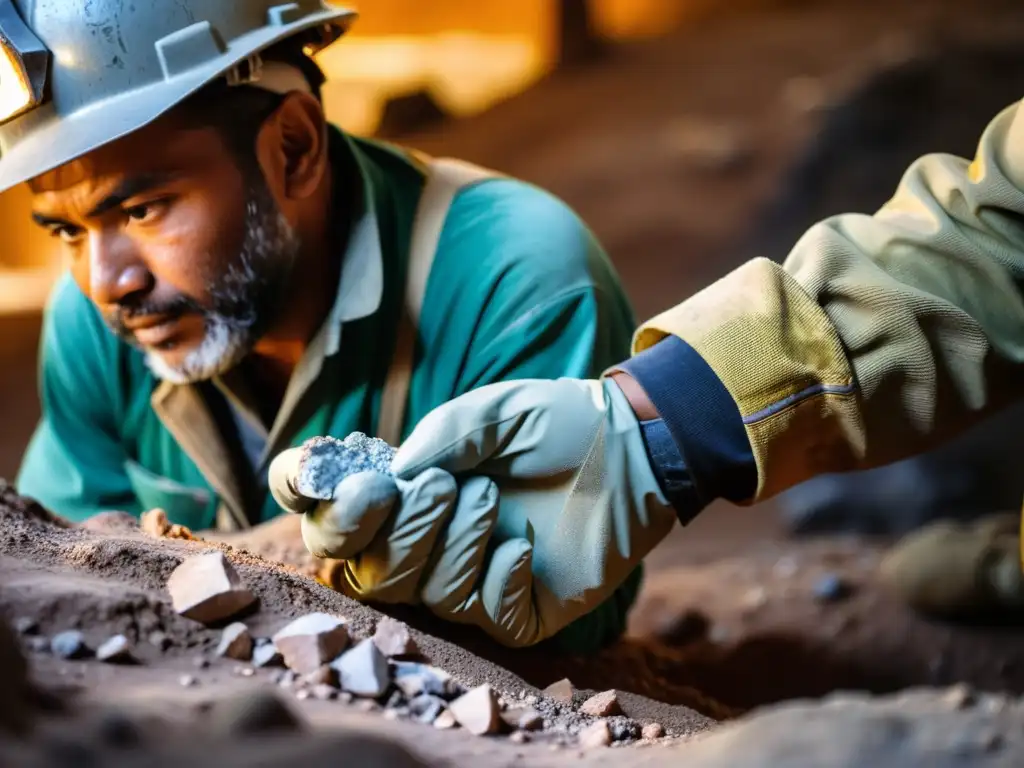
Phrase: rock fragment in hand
(478, 711)
(235, 642)
(116, 650)
(311, 641)
(206, 588)
(393, 638)
(363, 670)
(601, 705)
(560, 691)
(595, 735)
(69, 645)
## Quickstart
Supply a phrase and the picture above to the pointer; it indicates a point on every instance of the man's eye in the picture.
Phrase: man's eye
(68, 233)
(141, 212)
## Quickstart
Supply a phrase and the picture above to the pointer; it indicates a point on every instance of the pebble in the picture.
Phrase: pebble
(393, 638)
(531, 700)
(266, 655)
(596, 735)
(601, 705)
(69, 645)
(116, 650)
(477, 711)
(188, 681)
(653, 731)
(201, 663)
(206, 588)
(560, 691)
(367, 705)
(363, 670)
(37, 643)
(413, 679)
(623, 729)
(519, 737)
(311, 641)
(832, 588)
(523, 718)
(323, 692)
(960, 696)
(325, 675)
(253, 713)
(235, 642)
(26, 625)
(445, 721)
(427, 708)
(159, 640)
(302, 694)
(245, 671)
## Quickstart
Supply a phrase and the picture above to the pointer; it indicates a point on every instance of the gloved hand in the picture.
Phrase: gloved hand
(579, 508)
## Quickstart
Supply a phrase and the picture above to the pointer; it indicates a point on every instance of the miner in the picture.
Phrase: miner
(243, 276)
(877, 337)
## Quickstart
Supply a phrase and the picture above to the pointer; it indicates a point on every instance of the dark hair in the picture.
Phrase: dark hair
(238, 112)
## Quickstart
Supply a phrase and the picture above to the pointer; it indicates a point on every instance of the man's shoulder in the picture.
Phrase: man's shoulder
(503, 227)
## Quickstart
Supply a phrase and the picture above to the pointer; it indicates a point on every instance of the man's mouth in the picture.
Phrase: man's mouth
(155, 331)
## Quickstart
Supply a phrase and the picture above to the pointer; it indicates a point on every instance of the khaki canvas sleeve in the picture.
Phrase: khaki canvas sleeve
(879, 335)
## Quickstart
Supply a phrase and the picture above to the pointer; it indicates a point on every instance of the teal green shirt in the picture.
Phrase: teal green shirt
(519, 289)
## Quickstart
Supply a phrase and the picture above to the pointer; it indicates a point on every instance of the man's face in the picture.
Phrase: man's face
(183, 251)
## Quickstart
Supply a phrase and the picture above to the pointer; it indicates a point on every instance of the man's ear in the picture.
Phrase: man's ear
(292, 146)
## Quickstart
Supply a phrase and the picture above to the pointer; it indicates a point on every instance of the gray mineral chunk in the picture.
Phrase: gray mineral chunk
(478, 711)
(413, 679)
(364, 670)
(116, 650)
(311, 641)
(427, 708)
(235, 642)
(69, 645)
(207, 589)
(393, 638)
(326, 461)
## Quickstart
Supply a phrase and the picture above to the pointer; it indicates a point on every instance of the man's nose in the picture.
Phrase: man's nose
(116, 272)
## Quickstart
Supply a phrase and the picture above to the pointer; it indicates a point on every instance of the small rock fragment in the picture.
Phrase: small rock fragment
(960, 696)
(159, 640)
(245, 671)
(37, 643)
(311, 641)
(367, 705)
(325, 675)
(831, 588)
(477, 711)
(445, 720)
(530, 720)
(26, 625)
(601, 705)
(201, 663)
(250, 714)
(519, 737)
(413, 679)
(188, 681)
(267, 655)
(206, 588)
(287, 679)
(363, 670)
(652, 731)
(235, 642)
(323, 692)
(326, 461)
(393, 638)
(116, 650)
(427, 708)
(561, 691)
(303, 693)
(69, 645)
(623, 729)
(596, 735)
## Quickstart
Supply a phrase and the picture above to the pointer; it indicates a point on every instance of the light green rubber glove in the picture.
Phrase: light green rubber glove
(579, 508)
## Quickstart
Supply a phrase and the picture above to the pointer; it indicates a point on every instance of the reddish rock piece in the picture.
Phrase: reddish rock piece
(601, 705)
(596, 735)
(561, 691)
(393, 638)
(652, 731)
(325, 675)
(523, 718)
(206, 588)
(311, 641)
(235, 642)
(478, 711)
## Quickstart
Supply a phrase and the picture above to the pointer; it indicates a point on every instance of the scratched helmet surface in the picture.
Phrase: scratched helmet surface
(78, 74)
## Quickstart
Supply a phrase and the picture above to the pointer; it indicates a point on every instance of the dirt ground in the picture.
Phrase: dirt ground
(671, 150)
